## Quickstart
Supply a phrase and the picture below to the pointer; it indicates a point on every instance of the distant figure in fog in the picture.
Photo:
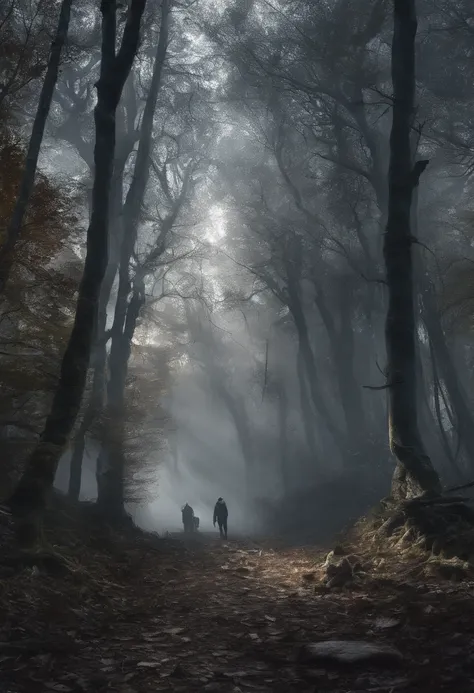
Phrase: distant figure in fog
(220, 515)
(188, 518)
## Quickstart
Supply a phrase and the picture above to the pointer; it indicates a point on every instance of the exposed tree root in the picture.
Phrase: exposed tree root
(442, 525)
(432, 536)
(49, 562)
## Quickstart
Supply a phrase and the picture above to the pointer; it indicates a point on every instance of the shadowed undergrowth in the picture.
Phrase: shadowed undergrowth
(129, 611)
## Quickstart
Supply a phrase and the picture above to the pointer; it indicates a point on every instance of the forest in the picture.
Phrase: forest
(236, 260)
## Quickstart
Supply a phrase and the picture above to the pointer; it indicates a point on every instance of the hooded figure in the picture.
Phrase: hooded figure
(188, 518)
(220, 515)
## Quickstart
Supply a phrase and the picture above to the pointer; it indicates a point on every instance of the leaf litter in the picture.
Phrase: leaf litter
(116, 621)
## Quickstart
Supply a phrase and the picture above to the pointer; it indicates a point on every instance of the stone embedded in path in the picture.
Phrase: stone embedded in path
(349, 652)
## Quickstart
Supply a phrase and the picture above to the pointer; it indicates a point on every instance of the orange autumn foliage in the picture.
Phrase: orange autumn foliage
(36, 314)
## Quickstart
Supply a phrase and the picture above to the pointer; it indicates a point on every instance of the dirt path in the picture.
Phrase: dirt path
(221, 617)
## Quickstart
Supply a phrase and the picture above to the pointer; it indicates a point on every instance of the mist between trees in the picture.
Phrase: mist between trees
(236, 256)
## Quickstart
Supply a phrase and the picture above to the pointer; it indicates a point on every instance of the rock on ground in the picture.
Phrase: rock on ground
(348, 652)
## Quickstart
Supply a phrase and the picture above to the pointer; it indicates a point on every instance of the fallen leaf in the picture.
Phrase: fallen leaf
(178, 671)
(383, 623)
(173, 631)
(153, 634)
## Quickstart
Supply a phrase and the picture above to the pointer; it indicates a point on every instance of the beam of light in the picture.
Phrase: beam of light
(217, 224)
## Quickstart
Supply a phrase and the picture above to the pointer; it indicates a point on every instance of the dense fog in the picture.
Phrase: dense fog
(240, 340)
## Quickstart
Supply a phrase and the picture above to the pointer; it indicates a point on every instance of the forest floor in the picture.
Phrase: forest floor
(135, 613)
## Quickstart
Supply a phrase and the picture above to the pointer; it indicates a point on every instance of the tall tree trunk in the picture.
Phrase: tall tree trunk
(437, 396)
(295, 306)
(342, 348)
(236, 408)
(307, 412)
(350, 389)
(111, 462)
(95, 404)
(312, 377)
(283, 437)
(30, 495)
(92, 412)
(110, 480)
(414, 472)
(27, 183)
(447, 369)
